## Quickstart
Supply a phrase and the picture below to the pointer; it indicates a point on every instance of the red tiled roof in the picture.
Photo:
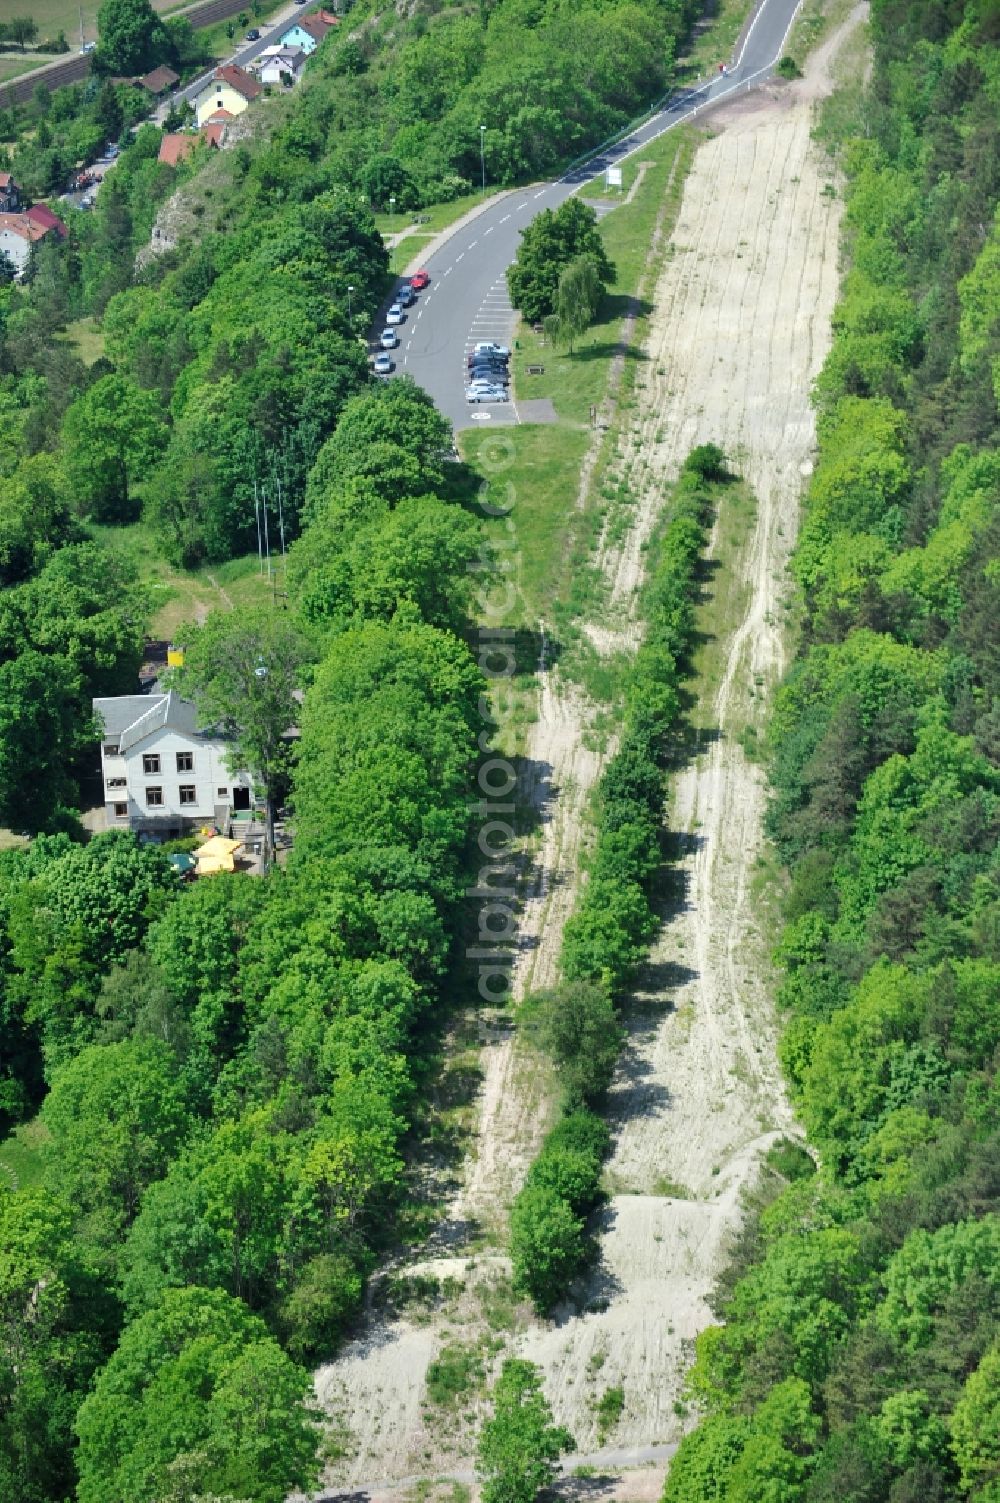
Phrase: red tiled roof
(43, 216)
(220, 117)
(175, 146)
(214, 130)
(23, 226)
(237, 78)
(6, 181)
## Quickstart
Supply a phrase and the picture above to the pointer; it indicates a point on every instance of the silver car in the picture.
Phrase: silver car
(483, 392)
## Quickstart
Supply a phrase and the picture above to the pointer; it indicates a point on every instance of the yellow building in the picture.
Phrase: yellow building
(231, 89)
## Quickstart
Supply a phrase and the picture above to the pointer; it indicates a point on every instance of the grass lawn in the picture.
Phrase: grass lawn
(438, 216)
(21, 1156)
(180, 595)
(14, 66)
(85, 339)
(545, 463)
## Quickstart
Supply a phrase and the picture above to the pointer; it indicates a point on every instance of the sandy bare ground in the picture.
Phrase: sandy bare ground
(740, 327)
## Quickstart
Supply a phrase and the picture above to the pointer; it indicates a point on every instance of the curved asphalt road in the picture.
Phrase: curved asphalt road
(466, 300)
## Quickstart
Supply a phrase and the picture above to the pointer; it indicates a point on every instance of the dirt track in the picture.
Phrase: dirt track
(740, 327)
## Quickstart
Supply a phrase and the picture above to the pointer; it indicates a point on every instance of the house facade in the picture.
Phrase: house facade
(231, 89)
(18, 234)
(162, 775)
(308, 32)
(280, 64)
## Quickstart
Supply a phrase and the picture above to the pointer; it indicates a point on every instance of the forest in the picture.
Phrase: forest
(858, 1351)
(226, 1079)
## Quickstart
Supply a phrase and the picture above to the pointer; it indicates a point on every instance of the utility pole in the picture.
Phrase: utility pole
(256, 512)
(482, 154)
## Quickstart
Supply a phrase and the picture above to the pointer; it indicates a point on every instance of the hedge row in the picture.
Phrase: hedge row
(607, 936)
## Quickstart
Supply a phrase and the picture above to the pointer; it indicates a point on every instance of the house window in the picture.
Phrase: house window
(188, 795)
(154, 798)
(222, 792)
(151, 765)
(185, 761)
(116, 783)
(121, 811)
(111, 748)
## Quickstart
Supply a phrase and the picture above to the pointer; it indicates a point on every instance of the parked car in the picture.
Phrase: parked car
(112, 151)
(253, 35)
(395, 315)
(486, 378)
(488, 348)
(384, 365)
(489, 368)
(419, 280)
(485, 394)
(389, 339)
(407, 297)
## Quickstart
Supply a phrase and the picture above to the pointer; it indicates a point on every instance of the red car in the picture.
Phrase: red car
(419, 281)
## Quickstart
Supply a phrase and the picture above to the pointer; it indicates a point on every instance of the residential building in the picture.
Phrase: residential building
(231, 89)
(160, 81)
(277, 65)
(18, 234)
(10, 194)
(162, 772)
(43, 216)
(176, 145)
(308, 31)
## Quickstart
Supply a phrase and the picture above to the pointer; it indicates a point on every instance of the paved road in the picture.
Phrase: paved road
(467, 297)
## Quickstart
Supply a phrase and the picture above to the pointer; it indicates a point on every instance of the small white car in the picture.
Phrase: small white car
(395, 315)
(384, 365)
(388, 339)
(490, 350)
(485, 394)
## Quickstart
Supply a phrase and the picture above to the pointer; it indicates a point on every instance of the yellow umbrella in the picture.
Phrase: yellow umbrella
(216, 855)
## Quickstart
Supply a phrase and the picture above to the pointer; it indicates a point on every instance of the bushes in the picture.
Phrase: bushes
(606, 938)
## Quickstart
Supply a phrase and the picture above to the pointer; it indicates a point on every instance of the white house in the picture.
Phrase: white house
(161, 773)
(18, 234)
(276, 64)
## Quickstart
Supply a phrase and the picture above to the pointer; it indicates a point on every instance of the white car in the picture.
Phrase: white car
(485, 394)
(491, 351)
(395, 315)
(388, 339)
(383, 365)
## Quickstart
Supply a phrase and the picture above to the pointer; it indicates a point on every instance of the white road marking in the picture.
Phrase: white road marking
(540, 192)
(471, 244)
(480, 417)
(459, 258)
(490, 230)
(505, 219)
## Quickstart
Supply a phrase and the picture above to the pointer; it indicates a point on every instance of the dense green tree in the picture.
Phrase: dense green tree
(112, 436)
(547, 1245)
(198, 1377)
(132, 37)
(550, 245)
(578, 1025)
(519, 1446)
(578, 297)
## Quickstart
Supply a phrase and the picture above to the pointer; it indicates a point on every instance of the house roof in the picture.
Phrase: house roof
(42, 215)
(161, 78)
(7, 180)
(175, 146)
(239, 79)
(20, 224)
(214, 129)
(220, 117)
(132, 717)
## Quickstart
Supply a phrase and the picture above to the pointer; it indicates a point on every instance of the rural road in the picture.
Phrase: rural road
(467, 301)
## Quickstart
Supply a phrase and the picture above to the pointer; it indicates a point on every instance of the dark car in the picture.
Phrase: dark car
(488, 373)
(253, 35)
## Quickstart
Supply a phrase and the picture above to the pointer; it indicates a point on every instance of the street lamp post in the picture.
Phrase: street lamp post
(392, 231)
(350, 291)
(482, 155)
